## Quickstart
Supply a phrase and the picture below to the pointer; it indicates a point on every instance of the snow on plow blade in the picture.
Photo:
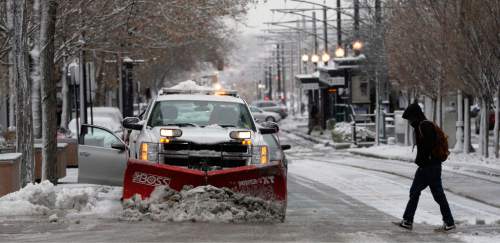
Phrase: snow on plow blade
(265, 181)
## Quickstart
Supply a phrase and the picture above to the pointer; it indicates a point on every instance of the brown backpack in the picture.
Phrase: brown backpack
(440, 150)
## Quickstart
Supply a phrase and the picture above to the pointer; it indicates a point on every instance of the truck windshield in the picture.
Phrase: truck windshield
(200, 113)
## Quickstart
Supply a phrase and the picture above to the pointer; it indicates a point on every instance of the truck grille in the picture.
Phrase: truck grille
(201, 156)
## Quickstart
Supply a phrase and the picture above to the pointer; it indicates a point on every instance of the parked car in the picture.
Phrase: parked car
(273, 106)
(106, 111)
(106, 122)
(261, 115)
(102, 156)
(276, 149)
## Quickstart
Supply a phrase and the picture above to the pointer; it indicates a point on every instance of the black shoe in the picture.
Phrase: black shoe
(445, 228)
(404, 224)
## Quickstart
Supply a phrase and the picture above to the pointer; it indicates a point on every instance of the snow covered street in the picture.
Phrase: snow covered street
(333, 196)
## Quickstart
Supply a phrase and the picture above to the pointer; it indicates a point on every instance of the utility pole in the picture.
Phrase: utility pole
(283, 79)
(325, 30)
(378, 115)
(304, 26)
(315, 34)
(270, 80)
(83, 88)
(356, 19)
(278, 69)
(339, 24)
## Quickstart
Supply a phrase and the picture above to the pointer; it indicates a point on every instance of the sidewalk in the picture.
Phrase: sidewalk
(467, 175)
(456, 161)
(298, 127)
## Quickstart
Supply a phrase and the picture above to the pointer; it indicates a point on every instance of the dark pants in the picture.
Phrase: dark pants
(428, 176)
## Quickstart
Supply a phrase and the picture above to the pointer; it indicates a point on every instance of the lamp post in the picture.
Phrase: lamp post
(305, 59)
(325, 58)
(357, 46)
(339, 52)
(315, 59)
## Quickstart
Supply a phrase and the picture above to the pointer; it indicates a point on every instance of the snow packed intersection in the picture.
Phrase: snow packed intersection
(333, 196)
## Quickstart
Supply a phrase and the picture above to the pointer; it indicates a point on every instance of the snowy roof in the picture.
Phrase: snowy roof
(361, 57)
(9, 157)
(307, 75)
(201, 97)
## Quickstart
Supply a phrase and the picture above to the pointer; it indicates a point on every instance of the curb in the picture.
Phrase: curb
(381, 157)
(318, 141)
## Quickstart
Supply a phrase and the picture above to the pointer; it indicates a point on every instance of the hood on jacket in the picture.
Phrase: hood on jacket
(413, 113)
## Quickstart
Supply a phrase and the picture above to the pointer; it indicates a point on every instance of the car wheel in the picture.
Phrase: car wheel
(270, 119)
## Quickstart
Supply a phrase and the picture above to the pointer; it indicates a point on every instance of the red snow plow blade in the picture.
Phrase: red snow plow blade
(265, 181)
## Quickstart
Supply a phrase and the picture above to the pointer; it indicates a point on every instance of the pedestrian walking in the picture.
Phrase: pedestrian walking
(430, 154)
(314, 120)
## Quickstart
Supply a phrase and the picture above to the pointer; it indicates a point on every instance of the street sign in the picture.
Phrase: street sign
(308, 86)
(336, 81)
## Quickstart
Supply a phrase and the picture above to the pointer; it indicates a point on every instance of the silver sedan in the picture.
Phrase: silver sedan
(261, 115)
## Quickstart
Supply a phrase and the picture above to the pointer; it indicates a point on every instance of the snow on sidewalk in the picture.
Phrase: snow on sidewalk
(70, 201)
(468, 162)
(76, 199)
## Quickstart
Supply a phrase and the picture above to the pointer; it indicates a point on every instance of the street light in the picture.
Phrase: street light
(325, 57)
(357, 45)
(305, 58)
(217, 86)
(339, 52)
(315, 59)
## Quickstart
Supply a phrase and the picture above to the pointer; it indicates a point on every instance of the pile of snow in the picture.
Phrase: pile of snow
(45, 198)
(190, 85)
(345, 130)
(204, 203)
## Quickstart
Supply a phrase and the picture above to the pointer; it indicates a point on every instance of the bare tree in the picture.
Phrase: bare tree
(48, 89)
(16, 18)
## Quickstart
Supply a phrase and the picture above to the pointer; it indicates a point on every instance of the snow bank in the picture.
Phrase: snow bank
(190, 85)
(204, 203)
(345, 130)
(45, 198)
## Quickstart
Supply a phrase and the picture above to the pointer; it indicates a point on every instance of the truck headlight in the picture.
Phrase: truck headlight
(240, 134)
(149, 151)
(169, 133)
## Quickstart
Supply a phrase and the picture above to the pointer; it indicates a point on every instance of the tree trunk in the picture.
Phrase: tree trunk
(24, 127)
(497, 123)
(459, 145)
(12, 82)
(66, 106)
(35, 73)
(408, 133)
(484, 131)
(12, 91)
(467, 144)
(49, 104)
(439, 106)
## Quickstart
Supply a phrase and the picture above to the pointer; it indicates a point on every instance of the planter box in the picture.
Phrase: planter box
(10, 173)
(62, 149)
(71, 151)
